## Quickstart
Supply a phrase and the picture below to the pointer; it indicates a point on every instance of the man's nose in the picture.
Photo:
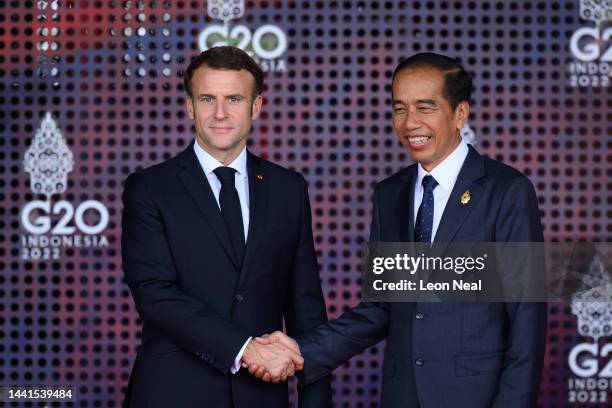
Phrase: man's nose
(411, 121)
(220, 110)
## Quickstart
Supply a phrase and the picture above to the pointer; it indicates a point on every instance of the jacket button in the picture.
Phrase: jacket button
(420, 316)
(239, 297)
(419, 361)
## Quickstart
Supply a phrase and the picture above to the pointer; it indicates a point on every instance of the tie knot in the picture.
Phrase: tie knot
(429, 183)
(225, 174)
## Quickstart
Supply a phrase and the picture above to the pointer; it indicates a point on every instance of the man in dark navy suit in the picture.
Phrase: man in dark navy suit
(471, 355)
(217, 247)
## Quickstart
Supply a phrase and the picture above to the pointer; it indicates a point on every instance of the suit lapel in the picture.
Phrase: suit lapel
(258, 203)
(405, 217)
(456, 209)
(405, 206)
(193, 178)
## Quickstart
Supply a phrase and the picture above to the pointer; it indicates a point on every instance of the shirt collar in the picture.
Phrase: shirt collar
(446, 172)
(209, 163)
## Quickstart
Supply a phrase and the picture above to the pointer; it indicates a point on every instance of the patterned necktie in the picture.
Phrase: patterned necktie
(230, 209)
(424, 220)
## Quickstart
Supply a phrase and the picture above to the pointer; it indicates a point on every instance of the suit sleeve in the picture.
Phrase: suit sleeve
(519, 221)
(151, 275)
(333, 343)
(305, 307)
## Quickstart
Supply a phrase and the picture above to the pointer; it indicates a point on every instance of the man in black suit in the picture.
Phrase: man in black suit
(471, 355)
(217, 247)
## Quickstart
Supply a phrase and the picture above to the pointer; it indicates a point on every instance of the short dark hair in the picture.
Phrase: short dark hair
(457, 82)
(227, 58)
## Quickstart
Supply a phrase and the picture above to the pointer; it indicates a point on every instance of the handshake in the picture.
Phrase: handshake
(272, 357)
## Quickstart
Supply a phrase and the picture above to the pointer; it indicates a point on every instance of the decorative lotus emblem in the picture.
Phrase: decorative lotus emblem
(596, 10)
(592, 303)
(48, 160)
(225, 10)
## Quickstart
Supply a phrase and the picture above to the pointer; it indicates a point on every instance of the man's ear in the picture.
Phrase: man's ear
(189, 107)
(256, 108)
(462, 112)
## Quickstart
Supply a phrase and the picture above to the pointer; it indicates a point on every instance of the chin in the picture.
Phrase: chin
(225, 148)
(223, 142)
(419, 156)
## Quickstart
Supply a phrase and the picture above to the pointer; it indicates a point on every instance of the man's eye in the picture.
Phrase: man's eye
(425, 109)
(399, 110)
(206, 99)
(234, 100)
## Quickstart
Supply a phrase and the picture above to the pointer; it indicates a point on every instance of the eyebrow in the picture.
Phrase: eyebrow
(226, 96)
(419, 101)
(426, 102)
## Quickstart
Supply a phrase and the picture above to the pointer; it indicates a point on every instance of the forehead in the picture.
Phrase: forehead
(206, 79)
(418, 83)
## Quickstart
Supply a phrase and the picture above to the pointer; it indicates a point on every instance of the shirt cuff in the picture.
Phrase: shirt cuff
(238, 361)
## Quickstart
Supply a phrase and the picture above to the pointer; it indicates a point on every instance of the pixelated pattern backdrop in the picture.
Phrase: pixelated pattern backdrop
(92, 90)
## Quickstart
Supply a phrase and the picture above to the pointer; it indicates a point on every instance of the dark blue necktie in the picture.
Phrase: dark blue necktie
(424, 220)
(230, 209)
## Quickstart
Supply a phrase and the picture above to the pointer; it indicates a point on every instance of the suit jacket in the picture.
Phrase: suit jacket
(471, 355)
(197, 306)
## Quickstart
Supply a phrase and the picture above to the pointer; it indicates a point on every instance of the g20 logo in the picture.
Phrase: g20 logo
(583, 360)
(42, 223)
(267, 42)
(595, 380)
(589, 44)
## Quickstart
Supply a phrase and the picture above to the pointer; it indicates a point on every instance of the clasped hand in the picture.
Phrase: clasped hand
(272, 357)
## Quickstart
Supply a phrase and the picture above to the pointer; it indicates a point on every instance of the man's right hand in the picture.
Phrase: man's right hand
(277, 338)
(271, 359)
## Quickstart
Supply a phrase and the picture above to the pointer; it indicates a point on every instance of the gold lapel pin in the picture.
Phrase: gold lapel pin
(465, 197)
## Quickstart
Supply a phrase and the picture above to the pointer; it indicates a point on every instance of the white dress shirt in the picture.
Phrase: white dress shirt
(209, 164)
(445, 174)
